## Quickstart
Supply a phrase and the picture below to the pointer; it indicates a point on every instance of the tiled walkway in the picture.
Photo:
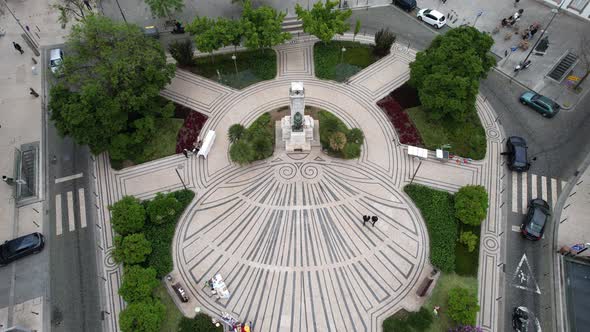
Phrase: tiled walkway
(286, 233)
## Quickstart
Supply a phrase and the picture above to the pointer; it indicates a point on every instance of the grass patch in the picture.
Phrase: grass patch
(161, 236)
(437, 209)
(467, 139)
(331, 64)
(173, 315)
(440, 298)
(466, 263)
(404, 321)
(253, 66)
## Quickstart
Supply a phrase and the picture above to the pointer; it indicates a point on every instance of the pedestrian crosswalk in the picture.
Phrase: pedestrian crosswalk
(526, 186)
(68, 203)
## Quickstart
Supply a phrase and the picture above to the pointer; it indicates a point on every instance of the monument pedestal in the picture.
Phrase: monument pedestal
(297, 130)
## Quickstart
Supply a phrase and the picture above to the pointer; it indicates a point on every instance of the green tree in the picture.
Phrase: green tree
(142, 317)
(383, 41)
(235, 132)
(241, 152)
(163, 208)
(127, 215)
(463, 306)
(163, 8)
(72, 9)
(471, 204)
(263, 26)
(324, 20)
(469, 239)
(131, 249)
(357, 29)
(109, 99)
(207, 40)
(337, 141)
(351, 150)
(138, 284)
(230, 32)
(182, 51)
(447, 74)
(355, 135)
(262, 146)
(201, 323)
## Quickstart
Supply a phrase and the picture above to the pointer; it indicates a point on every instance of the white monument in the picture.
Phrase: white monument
(298, 128)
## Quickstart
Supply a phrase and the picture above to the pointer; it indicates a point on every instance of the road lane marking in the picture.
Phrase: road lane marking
(514, 192)
(58, 216)
(553, 192)
(516, 228)
(82, 204)
(544, 188)
(524, 277)
(524, 189)
(68, 178)
(533, 186)
(71, 218)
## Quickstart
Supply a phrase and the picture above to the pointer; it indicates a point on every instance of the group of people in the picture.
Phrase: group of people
(529, 33)
(195, 150)
(509, 21)
(372, 219)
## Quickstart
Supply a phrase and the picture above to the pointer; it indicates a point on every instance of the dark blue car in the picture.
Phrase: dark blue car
(21, 247)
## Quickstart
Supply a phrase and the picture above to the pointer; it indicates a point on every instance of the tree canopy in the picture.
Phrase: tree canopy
(324, 20)
(131, 249)
(163, 208)
(263, 26)
(138, 283)
(163, 8)
(463, 306)
(142, 317)
(110, 97)
(471, 204)
(447, 74)
(127, 215)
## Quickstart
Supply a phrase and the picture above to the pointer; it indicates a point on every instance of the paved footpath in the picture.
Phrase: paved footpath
(286, 232)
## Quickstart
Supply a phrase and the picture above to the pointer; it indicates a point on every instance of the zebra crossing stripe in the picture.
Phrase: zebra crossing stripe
(524, 191)
(58, 216)
(82, 204)
(71, 219)
(553, 192)
(544, 188)
(514, 192)
(533, 186)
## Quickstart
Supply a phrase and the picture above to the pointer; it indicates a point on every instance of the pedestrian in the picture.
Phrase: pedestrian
(516, 3)
(33, 92)
(28, 29)
(87, 3)
(365, 219)
(435, 311)
(185, 153)
(374, 220)
(8, 180)
(17, 47)
(504, 22)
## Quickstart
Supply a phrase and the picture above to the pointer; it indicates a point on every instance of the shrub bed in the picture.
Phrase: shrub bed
(407, 132)
(437, 209)
(337, 139)
(253, 143)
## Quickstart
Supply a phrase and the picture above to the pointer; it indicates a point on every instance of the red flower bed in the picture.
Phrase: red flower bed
(189, 132)
(407, 132)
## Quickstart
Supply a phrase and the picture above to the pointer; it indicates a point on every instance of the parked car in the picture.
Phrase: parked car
(56, 58)
(520, 319)
(545, 106)
(432, 17)
(21, 247)
(536, 217)
(516, 150)
(407, 5)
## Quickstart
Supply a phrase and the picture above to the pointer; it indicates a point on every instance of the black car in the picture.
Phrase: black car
(520, 319)
(407, 5)
(517, 154)
(536, 217)
(21, 247)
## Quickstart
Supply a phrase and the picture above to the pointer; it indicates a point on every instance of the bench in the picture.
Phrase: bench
(180, 292)
(424, 287)
(207, 144)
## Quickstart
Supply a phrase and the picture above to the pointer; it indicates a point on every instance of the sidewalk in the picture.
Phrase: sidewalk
(565, 33)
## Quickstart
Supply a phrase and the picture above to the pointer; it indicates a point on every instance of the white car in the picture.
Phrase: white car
(432, 17)
(56, 57)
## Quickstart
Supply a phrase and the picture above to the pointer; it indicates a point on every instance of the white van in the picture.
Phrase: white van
(56, 57)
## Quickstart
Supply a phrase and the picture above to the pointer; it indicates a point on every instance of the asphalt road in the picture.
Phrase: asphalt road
(74, 281)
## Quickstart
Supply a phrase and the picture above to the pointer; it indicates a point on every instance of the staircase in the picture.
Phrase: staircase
(292, 25)
(563, 67)
(28, 172)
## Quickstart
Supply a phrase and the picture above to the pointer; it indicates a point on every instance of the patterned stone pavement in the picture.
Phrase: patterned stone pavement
(286, 233)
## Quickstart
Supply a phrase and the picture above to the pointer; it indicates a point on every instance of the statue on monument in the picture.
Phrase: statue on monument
(297, 122)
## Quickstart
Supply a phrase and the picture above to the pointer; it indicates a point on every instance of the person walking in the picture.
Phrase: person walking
(185, 153)
(365, 219)
(18, 47)
(374, 220)
(33, 92)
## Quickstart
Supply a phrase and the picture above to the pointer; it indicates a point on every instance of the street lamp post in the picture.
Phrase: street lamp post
(234, 57)
(342, 54)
